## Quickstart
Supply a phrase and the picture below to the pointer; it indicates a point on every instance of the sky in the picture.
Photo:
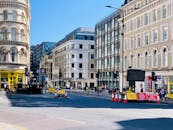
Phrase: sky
(52, 20)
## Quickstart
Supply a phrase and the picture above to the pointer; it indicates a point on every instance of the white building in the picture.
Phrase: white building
(73, 59)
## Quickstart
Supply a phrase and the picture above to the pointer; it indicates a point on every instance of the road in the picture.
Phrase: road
(77, 112)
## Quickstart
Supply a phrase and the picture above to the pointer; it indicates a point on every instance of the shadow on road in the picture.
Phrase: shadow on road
(147, 124)
(77, 101)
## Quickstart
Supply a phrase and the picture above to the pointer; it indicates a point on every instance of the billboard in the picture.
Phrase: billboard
(135, 75)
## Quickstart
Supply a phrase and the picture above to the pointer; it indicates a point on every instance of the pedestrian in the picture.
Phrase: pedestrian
(162, 93)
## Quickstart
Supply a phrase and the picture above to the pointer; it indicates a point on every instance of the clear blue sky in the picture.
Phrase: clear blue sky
(51, 20)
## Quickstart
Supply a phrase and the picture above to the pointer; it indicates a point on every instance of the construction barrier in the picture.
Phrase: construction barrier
(130, 96)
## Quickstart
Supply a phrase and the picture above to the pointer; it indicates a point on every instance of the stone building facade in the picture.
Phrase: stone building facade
(147, 42)
(14, 41)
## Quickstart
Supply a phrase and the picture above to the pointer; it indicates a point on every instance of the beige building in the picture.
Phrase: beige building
(147, 41)
(14, 41)
(46, 63)
(73, 60)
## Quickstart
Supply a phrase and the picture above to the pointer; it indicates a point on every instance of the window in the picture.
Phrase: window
(80, 46)
(155, 58)
(92, 66)
(4, 34)
(12, 54)
(13, 34)
(80, 75)
(5, 15)
(72, 56)
(138, 40)
(131, 61)
(154, 17)
(72, 75)
(165, 33)
(146, 41)
(138, 22)
(146, 60)
(80, 65)
(72, 65)
(145, 19)
(138, 61)
(125, 62)
(131, 43)
(23, 17)
(14, 15)
(22, 35)
(155, 36)
(92, 56)
(164, 58)
(131, 25)
(80, 56)
(92, 75)
(164, 11)
(72, 46)
(92, 46)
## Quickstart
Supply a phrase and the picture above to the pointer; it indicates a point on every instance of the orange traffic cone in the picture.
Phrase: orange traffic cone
(158, 99)
(125, 99)
(113, 98)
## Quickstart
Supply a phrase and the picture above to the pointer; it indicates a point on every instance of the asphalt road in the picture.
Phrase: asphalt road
(77, 112)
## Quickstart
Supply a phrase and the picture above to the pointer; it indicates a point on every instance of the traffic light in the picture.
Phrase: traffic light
(153, 75)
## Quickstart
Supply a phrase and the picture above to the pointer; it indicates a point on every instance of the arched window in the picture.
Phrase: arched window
(155, 58)
(12, 54)
(13, 34)
(3, 54)
(138, 61)
(4, 33)
(22, 35)
(146, 60)
(164, 57)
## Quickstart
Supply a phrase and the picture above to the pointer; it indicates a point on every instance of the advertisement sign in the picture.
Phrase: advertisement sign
(131, 96)
(141, 96)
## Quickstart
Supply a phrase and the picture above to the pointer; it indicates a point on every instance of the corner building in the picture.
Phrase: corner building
(14, 41)
(148, 41)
